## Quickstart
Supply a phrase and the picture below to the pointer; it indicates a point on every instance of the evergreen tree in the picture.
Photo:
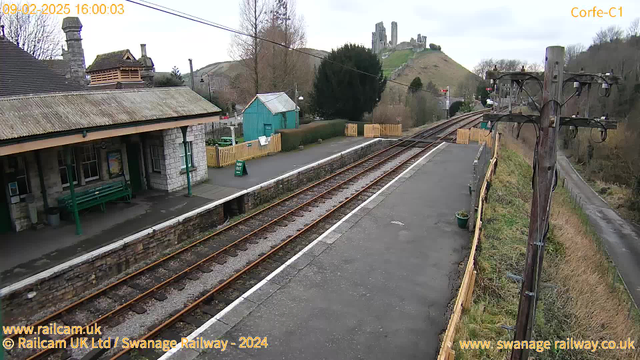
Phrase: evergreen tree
(416, 85)
(176, 76)
(339, 91)
(174, 79)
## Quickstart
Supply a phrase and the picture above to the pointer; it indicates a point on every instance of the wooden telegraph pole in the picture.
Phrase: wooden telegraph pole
(544, 179)
(548, 123)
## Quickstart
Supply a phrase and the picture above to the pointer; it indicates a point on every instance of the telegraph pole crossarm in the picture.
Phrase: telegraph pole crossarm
(548, 123)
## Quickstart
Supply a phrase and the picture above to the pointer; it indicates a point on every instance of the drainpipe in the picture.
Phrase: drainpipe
(186, 158)
(42, 185)
(74, 206)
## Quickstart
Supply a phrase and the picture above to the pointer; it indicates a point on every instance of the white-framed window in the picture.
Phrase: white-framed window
(189, 155)
(157, 156)
(89, 162)
(17, 177)
(64, 179)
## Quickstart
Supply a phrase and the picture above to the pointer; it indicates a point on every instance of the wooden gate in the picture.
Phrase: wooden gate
(351, 130)
(372, 130)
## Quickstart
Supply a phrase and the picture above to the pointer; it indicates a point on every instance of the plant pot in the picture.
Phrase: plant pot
(462, 221)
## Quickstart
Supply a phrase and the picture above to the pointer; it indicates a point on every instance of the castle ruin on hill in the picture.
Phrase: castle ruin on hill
(379, 40)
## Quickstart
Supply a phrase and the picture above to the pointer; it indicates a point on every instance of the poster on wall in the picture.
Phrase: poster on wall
(13, 189)
(114, 162)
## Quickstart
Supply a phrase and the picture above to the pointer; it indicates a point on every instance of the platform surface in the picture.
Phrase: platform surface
(269, 167)
(377, 287)
(31, 251)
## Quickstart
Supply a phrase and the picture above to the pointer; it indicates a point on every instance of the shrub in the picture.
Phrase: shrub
(389, 114)
(453, 109)
(310, 133)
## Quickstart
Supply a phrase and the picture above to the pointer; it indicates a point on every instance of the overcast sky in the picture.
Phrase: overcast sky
(468, 31)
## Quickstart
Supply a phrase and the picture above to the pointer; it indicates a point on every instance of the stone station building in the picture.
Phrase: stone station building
(125, 135)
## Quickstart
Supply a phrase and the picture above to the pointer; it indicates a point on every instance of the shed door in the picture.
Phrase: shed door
(268, 129)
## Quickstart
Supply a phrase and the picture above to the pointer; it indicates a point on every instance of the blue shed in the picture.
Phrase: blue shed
(267, 113)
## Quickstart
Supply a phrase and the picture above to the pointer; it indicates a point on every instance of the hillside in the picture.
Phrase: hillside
(429, 65)
(232, 68)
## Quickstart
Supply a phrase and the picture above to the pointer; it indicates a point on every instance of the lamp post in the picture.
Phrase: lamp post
(296, 98)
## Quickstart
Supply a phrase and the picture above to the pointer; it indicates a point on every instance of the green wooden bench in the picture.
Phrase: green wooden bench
(96, 196)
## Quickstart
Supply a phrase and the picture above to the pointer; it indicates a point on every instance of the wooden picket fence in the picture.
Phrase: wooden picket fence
(465, 293)
(464, 136)
(223, 156)
(378, 130)
(351, 130)
(372, 130)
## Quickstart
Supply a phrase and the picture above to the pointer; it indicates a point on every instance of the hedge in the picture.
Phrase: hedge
(310, 133)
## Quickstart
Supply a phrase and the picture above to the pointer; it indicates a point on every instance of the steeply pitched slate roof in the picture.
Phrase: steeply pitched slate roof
(59, 66)
(113, 60)
(24, 116)
(21, 73)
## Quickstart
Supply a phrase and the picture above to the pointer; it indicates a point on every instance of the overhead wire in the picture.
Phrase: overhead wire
(202, 21)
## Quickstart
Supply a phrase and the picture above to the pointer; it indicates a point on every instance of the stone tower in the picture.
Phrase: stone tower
(379, 38)
(74, 54)
(394, 34)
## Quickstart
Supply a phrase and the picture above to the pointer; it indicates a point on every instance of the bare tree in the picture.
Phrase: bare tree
(503, 65)
(610, 34)
(246, 49)
(483, 66)
(634, 28)
(572, 51)
(38, 34)
(535, 67)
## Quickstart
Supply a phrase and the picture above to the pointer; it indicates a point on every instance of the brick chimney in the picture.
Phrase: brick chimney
(74, 55)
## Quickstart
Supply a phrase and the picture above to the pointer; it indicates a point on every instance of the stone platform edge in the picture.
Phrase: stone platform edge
(226, 319)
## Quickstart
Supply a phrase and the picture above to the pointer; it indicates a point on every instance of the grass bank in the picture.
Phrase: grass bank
(581, 297)
(395, 60)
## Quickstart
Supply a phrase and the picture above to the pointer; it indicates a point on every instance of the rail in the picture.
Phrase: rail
(218, 288)
(402, 144)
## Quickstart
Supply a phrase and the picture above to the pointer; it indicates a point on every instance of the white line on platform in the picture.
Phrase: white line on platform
(121, 243)
(244, 296)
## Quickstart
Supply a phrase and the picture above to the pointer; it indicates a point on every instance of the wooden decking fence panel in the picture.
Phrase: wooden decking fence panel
(372, 130)
(391, 129)
(351, 130)
(462, 136)
(377, 130)
(465, 293)
(223, 156)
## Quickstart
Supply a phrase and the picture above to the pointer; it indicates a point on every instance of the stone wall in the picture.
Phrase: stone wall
(65, 286)
(278, 188)
(53, 184)
(176, 178)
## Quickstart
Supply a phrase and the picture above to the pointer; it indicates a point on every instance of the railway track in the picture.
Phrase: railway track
(173, 296)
